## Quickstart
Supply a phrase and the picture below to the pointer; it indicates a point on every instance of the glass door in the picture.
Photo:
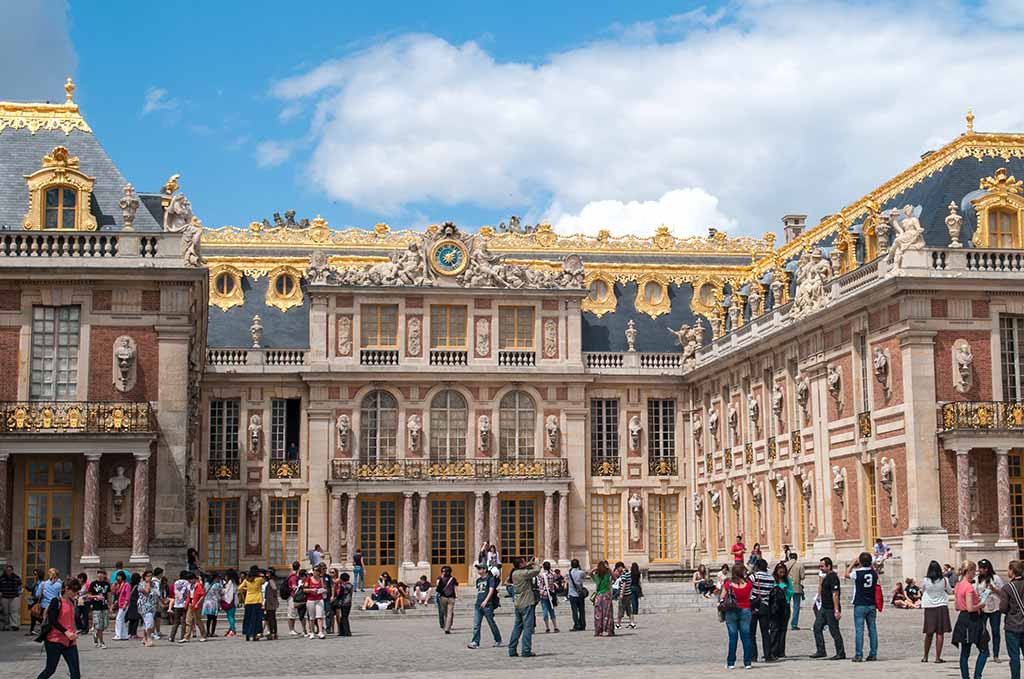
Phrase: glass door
(448, 538)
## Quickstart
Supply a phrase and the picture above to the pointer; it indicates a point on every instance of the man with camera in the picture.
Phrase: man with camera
(523, 573)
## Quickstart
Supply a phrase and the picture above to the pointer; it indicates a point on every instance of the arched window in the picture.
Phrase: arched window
(59, 207)
(517, 417)
(448, 422)
(378, 427)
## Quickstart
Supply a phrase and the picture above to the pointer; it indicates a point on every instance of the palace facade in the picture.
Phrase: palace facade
(255, 391)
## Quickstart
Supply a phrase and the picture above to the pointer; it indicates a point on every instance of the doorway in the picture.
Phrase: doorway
(448, 537)
(378, 537)
(47, 538)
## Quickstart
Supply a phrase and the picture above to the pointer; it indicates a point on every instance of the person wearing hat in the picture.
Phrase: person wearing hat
(486, 602)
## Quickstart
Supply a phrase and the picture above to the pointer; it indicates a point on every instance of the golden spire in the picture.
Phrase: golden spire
(69, 88)
(970, 121)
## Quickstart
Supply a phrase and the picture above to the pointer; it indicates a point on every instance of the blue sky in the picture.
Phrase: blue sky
(620, 115)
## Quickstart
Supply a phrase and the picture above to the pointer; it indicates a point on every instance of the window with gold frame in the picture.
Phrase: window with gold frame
(515, 327)
(663, 527)
(600, 297)
(447, 326)
(284, 290)
(222, 533)
(605, 527)
(59, 195)
(378, 326)
(1000, 212)
(283, 537)
(226, 287)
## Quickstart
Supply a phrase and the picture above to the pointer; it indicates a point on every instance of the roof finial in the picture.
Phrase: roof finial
(970, 121)
(69, 88)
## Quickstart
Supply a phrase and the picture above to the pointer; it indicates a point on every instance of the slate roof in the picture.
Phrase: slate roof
(21, 153)
(281, 329)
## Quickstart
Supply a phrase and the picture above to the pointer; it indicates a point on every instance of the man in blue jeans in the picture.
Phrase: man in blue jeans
(486, 598)
(1011, 604)
(357, 570)
(523, 573)
(865, 579)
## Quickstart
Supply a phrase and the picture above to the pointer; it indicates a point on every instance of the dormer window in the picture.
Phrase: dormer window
(1002, 225)
(1000, 212)
(59, 207)
(284, 291)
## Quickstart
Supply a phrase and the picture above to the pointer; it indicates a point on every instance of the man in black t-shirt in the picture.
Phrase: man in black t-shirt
(865, 579)
(98, 596)
(828, 612)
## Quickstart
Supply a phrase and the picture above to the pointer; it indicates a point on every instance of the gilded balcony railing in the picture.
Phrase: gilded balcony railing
(285, 469)
(982, 416)
(605, 466)
(222, 470)
(76, 417)
(663, 466)
(455, 470)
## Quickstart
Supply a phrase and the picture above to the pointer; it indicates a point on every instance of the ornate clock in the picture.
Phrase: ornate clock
(449, 257)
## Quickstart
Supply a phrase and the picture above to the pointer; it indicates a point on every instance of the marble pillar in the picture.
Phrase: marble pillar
(91, 515)
(351, 531)
(549, 525)
(563, 528)
(424, 527)
(495, 521)
(140, 513)
(407, 528)
(963, 495)
(478, 520)
(337, 525)
(1003, 497)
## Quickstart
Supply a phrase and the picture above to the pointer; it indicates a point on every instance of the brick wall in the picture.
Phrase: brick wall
(9, 363)
(892, 345)
(10, 300)
(981, 389)
(845, 365)
(101, 364)
(853, 508)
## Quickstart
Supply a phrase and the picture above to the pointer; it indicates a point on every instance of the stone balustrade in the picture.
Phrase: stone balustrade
(42, 246)
(231, 359)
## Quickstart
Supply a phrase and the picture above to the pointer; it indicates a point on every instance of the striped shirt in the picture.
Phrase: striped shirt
(763, 584)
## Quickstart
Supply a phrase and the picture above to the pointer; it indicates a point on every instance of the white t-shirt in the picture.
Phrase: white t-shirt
(935, 593)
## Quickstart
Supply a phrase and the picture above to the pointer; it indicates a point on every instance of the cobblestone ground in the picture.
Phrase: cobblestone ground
(665, 645)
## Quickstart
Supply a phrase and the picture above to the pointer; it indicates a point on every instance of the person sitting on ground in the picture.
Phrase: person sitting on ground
(899, 598)
(882, 554)
(381, 599)
(402, 599)
(913, 591)
(422, 590)
(701, 584)
(723, 576)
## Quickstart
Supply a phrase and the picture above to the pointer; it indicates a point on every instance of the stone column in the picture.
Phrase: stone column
(424, 531)
(407, 528)
(1003, 497)
(963, 495)
(549, 525)
(337, 524)
(495, 520)
(351, 531)
(91, 509)
(563, 528)
(478, 519)
(140, 513)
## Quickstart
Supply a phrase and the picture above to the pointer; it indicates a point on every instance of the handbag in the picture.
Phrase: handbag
(879, 598)
(225, 606)
(728, 601)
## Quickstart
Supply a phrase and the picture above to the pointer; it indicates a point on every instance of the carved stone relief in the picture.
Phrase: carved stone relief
(634, 433)
(839, 487)
(414, 336)
(483, 337)
(343, 430)
(125, 363)
(344, 336)
(887, 481)
(255, 437)
(414, 425)
(253, 507)
(484, 434)
(551, 434)
(963, 366)
(550, 338)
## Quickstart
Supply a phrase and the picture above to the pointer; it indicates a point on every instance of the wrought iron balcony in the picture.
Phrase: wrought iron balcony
(457, 470)
(982, 416)
(76, 417)
(663, 466)
(285, 469)
(605, 466)
(222, 470)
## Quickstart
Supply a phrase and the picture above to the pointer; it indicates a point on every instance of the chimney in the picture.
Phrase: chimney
(794, 225)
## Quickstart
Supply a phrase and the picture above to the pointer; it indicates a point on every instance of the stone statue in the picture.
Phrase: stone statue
(735, 311)
(129, 205)
(887, 481)
(734, 497)
(318, 270)
(484, 430)
(813, 273)
(963, 366)
(690, 339)
(698, 504)
(780, 488)
(881, 367)
(803, 392)
(344, 335)
(716, 501)
(909, 236)
(713, 424)
(754, 411)
(807, 495)
(733, 418)
(778, 287)
(636, 518)
(178, 215)
(191, 245)
(119, 484)
(834, 380)
(698, 430)
(415, 427)
(125, 356)
(778, 397)
(414, 335)
(256, 331)
(483, 337)
(343, 425)
(838, 479)
(755, 494)
(835, 258)
(551, 432)
(634, 433)
(754, 299)
(253, 507)
(953, 222)
(883, 228)
(631, 333)
(255, 435)
(515, 226)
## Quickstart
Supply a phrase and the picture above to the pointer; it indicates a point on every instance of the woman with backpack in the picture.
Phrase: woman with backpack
(58, 635)
(734, 605)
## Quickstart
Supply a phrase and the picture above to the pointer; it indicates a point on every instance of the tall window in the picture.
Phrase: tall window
(1011, 350)
(447, 327)
(865, 379)
(605, 527)
(661, 427)
(61, 202)
(1001, 226)
(449, 419)
(283, 539)
(224, 429)
(517, 418)
(515, 327)
(604, 427)
(284, 428)
(222, 534)
(378, 427)
(663, 524)
(518, 528)
(379, 326)
(54, 353)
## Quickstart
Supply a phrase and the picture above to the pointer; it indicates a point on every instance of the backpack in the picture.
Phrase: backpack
(299, 595)
(44, 629)
(285, 590)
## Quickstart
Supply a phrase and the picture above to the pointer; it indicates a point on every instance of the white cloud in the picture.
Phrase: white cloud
(273, 153)
(687, 212)
(35, 38)
(773, 108)
(157, 99)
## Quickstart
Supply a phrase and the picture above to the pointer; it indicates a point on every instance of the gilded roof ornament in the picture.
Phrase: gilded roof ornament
(171, 185)
(34, 117)
(60, 157)
(69, 91)
(1001, 183)
(970, 121)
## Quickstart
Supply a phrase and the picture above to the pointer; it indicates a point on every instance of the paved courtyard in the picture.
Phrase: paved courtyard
(665, 645)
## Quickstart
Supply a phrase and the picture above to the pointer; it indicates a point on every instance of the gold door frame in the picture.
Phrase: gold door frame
(448, 556)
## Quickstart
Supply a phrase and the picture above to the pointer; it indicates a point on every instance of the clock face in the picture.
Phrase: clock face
(448, 257)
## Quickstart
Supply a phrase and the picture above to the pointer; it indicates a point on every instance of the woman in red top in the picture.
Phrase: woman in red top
(60, 640)
(737, 618)
(969, 629)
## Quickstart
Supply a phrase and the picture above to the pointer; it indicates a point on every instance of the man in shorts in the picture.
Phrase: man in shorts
(98, 597)
(291, 584)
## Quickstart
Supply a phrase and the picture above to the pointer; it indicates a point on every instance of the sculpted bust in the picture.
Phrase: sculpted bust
(119, 484)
